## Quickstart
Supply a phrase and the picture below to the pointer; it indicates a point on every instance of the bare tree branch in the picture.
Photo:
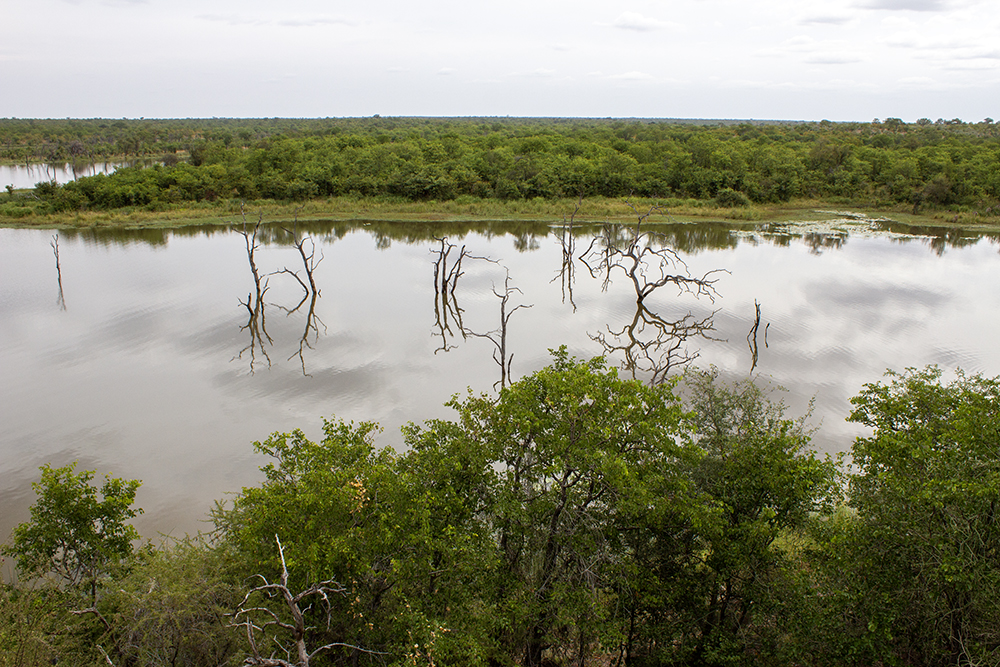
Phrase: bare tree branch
(567, 272)
(499, 335)
(245, 616)
(61, 299)
(254, 304)
(634, 252)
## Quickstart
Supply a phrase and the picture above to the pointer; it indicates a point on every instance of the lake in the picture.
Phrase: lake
(149, 355)
(22, 176)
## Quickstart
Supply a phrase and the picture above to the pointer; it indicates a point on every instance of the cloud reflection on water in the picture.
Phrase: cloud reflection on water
(141, 376)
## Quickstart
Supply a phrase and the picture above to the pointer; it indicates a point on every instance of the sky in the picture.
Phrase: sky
(840, 60)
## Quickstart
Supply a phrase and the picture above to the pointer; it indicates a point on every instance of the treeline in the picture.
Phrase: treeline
(575, 518)
(890, 163)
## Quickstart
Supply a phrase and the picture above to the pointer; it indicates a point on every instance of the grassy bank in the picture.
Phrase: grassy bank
(474, 209)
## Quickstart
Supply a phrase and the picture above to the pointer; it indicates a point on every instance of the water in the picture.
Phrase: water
(27, 175)
(136, 355)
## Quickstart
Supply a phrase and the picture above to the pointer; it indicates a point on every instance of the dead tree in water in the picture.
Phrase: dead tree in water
(649, 344)
(567, 271)
(752, 336)
(445, 281)
(499, 335)
(254, 304)
(61, 299)
(311, 292)
(648, 267)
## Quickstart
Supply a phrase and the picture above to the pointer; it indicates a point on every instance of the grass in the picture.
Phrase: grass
(474, 209)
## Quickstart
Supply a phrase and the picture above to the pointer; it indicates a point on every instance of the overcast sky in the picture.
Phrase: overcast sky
(763, 59)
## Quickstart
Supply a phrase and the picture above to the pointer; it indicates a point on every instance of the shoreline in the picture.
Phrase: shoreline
(592, 211)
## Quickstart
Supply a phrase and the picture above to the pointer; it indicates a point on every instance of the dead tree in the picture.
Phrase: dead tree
(61, 299)
(309, 261)
(499, 335)
(752, 336)
(445, 304)
(649, 267)
(256, 324)
(567, 271)
(310, 291)
(285, 629)
(649, 344)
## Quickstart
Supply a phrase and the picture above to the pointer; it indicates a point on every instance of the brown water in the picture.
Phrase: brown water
(136, 357)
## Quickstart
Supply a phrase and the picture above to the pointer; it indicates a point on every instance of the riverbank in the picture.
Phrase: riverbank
(552, 211)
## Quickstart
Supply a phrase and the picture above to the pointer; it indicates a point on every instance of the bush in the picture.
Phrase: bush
(729, 198)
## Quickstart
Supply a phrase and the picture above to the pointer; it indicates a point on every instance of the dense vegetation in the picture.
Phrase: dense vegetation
(576, 517)
(940, 165)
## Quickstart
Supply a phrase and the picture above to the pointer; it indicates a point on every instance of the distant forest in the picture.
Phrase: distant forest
(928, 164)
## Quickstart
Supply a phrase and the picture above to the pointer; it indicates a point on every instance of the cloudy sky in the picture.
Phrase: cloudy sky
(764, 59)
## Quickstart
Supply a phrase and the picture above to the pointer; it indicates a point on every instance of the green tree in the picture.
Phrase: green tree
(77, 531)
(392, 532)
(570, 446)
(925, 546)
(711, 572)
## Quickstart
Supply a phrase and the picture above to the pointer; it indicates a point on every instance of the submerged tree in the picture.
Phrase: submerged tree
(645, 260)
(446, 308)
(498, 336)
(310, 292)
(257, 323)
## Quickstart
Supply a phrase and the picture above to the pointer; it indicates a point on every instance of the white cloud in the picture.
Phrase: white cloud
(231, 19)
(976, 65)
(832, 58)
(825, 20)
(239, 20)
(312, 22)
(917, 81)
(907, 5)
(640, 23)
(633, 76)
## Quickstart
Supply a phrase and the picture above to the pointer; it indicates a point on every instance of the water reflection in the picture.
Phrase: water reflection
(143, 376)
(446, 308)
(21, 176)
(646, 260)
(256, 326)
(309, 264)
(752, 336)
(61, 299)
(651, 347)
(502, 354)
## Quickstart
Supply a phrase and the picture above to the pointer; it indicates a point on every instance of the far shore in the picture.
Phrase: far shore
(589, 211)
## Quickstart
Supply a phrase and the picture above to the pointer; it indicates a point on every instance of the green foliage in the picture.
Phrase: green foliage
(571, 445)
(26, 617)
(77, 531)
(376, 524)
(574, 517)
(729, 198)
(927, 537)
(711, 580)
(417, 159)
(172, 606)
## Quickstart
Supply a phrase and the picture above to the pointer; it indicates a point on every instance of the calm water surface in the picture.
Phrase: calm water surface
(139, 355)
(27, 175)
